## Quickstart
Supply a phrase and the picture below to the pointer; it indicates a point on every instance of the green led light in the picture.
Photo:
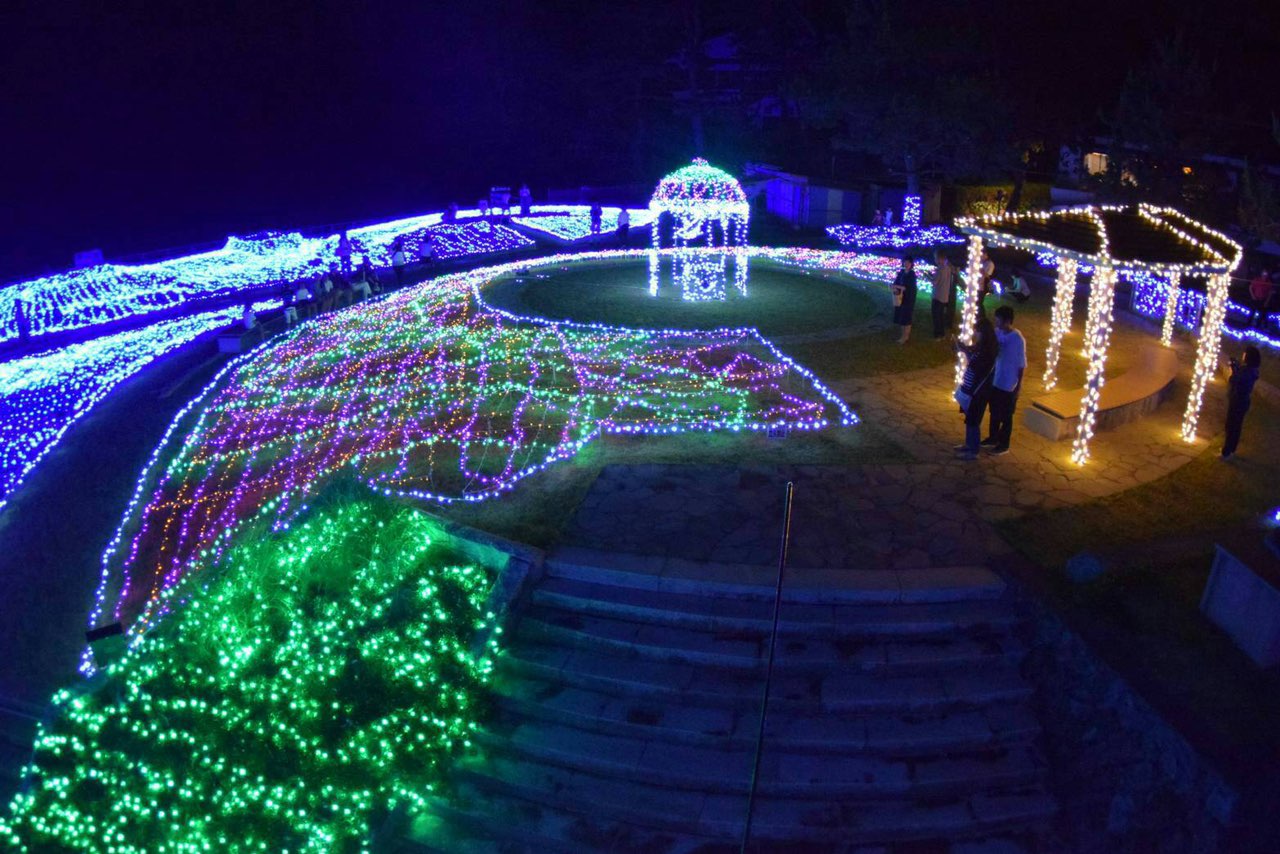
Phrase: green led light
(324, 675)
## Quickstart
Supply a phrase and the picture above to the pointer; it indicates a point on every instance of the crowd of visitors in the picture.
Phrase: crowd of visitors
(996, 358)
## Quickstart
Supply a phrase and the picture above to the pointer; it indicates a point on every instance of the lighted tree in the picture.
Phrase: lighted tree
(324, 676)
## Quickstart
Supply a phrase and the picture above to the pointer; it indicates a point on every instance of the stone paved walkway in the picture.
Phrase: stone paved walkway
(931, 512)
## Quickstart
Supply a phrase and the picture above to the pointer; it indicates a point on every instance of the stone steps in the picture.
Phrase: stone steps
(495, 795)
(755, 614)
(671, 767)
(628, 704)
(746, 651)
(814, 586)
(948, 731)
(674, 683)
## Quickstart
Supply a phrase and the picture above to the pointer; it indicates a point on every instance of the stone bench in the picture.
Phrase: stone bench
(1125, 398)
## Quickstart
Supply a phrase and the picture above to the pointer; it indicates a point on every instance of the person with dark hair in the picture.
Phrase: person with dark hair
(526, 200)
(975, 388)
(1239, 392)
(988, 273)
(362, 285)
(904, 290)
(398, 261)
(1006, 380)
(597, 218)
(1018, 287)
(344, 252)
(944, 291)
(427, 250)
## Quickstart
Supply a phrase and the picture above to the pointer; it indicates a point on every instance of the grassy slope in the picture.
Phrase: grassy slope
(1143, 615)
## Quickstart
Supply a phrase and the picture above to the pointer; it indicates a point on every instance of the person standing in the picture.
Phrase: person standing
(398, 261)
(344, 252)
(1006, 381)
(988, 273)
(1239, 392)
(904, 290)
(526, 200)
(943, 287)
(597, 218)
(1260, 293)
(888, 217)
(624, 226)
(878, 219)
(975, 388)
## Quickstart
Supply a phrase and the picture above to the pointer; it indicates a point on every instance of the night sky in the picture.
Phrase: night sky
(141, 125)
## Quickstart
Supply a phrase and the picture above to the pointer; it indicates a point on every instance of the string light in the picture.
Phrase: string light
(1097, 335)
(710, 215)
(1206, 352)
(1216, 251)
(1060, 318)
(572, 223)
(1214, 255)
(1170, 309)
(112, 292)
(41, 396)
(892, 236)
(1152, 297)
(909, 234)
(432, 394)
(911, 210)
(326, 674)
(972, 299)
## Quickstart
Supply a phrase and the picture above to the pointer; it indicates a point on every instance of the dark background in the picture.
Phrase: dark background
(133, 126)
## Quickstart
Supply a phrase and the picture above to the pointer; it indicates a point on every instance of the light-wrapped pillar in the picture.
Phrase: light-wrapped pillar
(1170, 309)
(1215, 312)
(1097, 335)
(972, 291)
(1060, 319)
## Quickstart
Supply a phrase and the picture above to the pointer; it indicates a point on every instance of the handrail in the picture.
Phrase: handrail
(768, 677)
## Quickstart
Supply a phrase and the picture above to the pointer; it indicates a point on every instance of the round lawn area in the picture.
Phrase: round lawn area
(780, 300)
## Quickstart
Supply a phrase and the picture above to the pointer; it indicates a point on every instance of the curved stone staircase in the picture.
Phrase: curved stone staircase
(630, 701)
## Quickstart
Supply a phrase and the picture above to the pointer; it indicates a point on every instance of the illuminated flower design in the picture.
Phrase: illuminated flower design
(430, 394)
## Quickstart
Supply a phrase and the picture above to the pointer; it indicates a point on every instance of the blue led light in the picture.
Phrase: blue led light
(41, 396)
(111, 292)
(1151, 292)
(909, 234)
(572, 223)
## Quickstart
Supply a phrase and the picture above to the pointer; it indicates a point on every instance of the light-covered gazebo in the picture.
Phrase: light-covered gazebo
(710, 213)
(1144, 238)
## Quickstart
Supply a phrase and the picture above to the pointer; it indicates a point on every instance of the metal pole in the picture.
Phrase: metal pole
(768, 676)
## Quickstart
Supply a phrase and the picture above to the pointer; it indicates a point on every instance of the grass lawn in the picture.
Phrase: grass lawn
(540, 508)
(875, 353)
(779, 300)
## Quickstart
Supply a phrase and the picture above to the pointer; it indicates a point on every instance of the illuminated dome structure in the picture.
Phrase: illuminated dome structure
(709, 215)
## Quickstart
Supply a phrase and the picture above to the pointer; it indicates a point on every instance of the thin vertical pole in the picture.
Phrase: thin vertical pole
(768, 676)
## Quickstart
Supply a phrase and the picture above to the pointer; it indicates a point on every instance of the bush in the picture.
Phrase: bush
(993, 198)
(324, 676)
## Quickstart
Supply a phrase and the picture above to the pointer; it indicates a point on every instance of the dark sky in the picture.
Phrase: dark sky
(139, 125)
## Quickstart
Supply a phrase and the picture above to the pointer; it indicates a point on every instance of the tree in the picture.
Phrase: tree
(1158, 123)
(912, 93)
